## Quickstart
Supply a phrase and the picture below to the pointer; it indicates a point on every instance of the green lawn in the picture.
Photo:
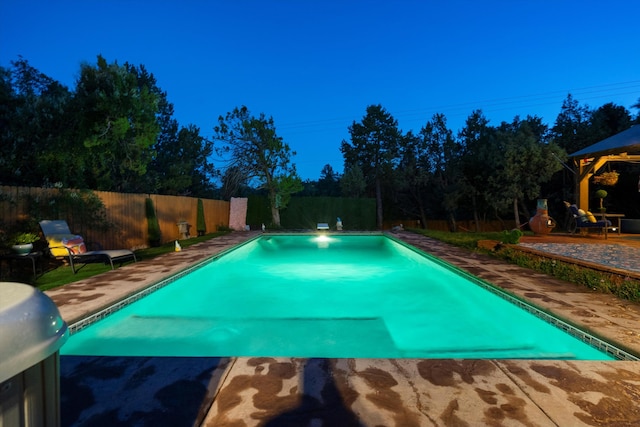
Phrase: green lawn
(462, 239)
(62, 274)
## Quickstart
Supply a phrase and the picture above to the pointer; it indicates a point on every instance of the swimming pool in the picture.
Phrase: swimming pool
(327, 296)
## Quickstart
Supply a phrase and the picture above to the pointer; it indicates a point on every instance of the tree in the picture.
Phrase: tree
(234, 183)
(117, 119)
(7, 107)
(637, 106)
(526, 162)
(329, 182)
(608, 120)
(413, 175)
(256, 149)
(477, 141)
(180, 163)
(442, 155)
(115, 132)
(374, 148)
(352, 182)
(570, 130)
(35, 129)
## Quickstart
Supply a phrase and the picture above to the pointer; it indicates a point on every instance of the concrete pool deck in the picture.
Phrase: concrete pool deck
(109, 391)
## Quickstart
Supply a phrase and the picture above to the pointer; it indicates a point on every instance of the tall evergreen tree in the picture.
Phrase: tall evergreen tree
(374, 148)
(413, 176)
(570, 130)
(443, 154)
(329, 182)
(477, 140)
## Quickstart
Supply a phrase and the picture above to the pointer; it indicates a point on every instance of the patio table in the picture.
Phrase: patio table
(606, 216)
(33, 257)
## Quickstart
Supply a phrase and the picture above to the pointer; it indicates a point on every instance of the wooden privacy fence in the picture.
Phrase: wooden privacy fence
(124, 212)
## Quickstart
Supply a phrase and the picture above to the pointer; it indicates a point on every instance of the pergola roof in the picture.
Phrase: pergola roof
(623, 142)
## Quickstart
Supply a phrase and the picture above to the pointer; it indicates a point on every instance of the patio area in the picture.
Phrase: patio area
(223, 391)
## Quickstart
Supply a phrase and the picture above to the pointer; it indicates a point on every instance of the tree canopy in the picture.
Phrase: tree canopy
(252, 146)
(374, 149)
(115, 130)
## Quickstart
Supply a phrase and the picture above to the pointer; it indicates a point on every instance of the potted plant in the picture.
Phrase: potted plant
(601, 194)
(22, 243)
(606, 178)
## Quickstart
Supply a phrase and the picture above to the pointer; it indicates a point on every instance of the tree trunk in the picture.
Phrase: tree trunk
(516, 214)
(379, 203)
(525, 212)
(275, 215)
(453, 225)
(275, 212)
(475, 213)
(423, 217)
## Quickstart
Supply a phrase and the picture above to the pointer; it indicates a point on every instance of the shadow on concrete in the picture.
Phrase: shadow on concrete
(143, 391)
(322, 402)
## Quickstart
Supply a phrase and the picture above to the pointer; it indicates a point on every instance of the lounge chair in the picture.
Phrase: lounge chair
(64, 244)
(323, 226)
(586, 220)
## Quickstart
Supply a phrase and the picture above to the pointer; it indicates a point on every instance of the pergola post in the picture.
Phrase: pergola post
(586, 169)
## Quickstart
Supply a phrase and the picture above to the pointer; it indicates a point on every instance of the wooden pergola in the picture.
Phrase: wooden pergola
(622, 147)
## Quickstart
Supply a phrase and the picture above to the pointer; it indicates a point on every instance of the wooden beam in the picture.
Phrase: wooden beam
(586, 169)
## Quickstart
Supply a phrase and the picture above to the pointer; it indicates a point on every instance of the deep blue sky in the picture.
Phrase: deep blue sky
(314, 66)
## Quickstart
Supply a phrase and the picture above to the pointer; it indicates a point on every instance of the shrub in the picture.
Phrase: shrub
(153, 228)
(622, 287)
(511, 237)
(83, 210)
(201, 225)
(601, 194)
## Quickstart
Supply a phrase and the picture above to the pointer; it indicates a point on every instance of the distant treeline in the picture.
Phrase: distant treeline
(115, 131)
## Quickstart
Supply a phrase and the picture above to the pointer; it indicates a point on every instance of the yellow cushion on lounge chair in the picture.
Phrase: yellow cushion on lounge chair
(590, 217)
(58, 244)
(582, 216)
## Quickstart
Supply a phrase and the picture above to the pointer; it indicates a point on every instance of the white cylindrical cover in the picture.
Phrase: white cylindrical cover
(31, 328)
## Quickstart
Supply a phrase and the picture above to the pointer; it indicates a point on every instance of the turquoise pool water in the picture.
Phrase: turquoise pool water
(326, 296)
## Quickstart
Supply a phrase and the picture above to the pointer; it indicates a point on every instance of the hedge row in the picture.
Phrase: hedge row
(304, 213)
